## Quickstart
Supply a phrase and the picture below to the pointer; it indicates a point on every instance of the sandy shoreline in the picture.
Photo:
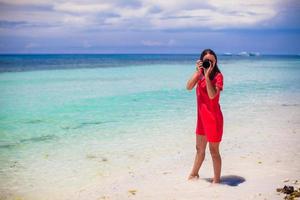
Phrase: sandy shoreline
(264, 152)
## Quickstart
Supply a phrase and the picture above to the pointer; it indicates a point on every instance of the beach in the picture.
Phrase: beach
(265, 162)
(127, 132)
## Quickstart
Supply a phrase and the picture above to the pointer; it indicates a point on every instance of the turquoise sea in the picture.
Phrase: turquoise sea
(58, 113)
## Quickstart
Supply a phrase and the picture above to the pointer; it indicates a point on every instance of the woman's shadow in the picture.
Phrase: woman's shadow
(231, 180)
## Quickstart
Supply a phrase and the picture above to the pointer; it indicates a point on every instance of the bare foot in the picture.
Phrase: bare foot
(193, 176)
(215, 181)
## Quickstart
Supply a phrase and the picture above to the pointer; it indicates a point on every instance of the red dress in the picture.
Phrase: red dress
(209, 114)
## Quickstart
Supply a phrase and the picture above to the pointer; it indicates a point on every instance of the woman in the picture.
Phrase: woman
(209, 128)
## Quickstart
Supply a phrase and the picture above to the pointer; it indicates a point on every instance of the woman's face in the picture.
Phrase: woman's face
(211, 58)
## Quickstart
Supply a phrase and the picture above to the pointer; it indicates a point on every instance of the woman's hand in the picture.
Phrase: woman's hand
(196, 76)
(211, 90)
(199, 67)
(209, 70)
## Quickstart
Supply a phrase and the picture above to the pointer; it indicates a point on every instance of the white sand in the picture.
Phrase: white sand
(264, 151)
(260, 144)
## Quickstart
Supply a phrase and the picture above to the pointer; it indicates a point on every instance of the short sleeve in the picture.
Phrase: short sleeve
(219, 81)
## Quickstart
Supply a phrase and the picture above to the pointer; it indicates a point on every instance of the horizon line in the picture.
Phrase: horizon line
(123, 53)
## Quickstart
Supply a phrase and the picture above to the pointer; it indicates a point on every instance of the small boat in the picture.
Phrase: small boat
(243, 53)
(254, 54)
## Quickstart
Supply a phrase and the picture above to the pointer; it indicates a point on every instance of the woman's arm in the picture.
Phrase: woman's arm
(193, 80)
(196, 76)
(211, 90)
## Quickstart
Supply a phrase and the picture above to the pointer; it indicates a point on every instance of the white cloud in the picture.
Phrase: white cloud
(31, 45)
(86, 44)
(74, 20)
(28, 2)
(171, 42)
(81, 7)
(215, 14)
(152, 43)
(115, 15)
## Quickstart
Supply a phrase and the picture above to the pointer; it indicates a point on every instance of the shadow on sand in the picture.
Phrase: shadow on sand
(231, 180)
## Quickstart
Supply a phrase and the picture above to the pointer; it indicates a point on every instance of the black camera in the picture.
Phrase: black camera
(206, 64)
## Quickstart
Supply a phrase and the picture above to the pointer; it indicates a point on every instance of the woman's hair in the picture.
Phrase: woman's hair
(216, 69)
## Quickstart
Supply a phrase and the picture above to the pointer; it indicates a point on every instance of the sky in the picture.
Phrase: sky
(149, 26)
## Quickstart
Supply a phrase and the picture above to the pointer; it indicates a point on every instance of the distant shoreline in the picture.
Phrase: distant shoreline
(34, 62)
(220, 54)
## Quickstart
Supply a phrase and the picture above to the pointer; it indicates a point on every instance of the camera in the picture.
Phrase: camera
(206, 64)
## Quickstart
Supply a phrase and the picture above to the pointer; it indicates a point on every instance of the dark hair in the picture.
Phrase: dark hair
(216, 69)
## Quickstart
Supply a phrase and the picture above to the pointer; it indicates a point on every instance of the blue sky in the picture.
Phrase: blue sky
(149, 26)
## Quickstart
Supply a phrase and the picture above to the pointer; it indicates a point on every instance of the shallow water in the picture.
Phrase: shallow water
(72, 119)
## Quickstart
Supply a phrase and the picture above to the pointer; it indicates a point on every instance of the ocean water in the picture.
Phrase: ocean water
(72, 119)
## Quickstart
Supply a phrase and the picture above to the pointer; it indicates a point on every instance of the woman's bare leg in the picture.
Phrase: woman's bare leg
(200, 155)
(217, 162)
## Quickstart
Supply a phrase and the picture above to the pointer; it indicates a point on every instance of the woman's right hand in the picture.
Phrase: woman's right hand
(199, 67)
(196, 76)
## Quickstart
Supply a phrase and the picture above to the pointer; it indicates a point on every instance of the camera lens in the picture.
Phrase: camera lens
(206, 64)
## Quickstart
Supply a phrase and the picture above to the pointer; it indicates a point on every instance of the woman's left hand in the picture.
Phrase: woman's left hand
(209, 70)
